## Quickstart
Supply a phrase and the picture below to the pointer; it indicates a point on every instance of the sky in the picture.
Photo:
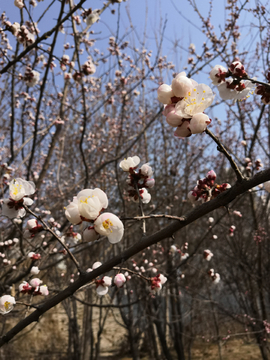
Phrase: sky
(183, 25)
(143, 21)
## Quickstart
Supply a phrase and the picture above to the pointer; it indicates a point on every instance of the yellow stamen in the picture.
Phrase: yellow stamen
(84, 201)
(202, 98)
(189, 93)
(203, 91)
(6, 305)
(107, 224)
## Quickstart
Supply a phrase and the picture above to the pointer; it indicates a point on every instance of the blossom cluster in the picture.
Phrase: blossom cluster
(87, 206)
(206, 189)
(264, 91)
(139, 180)
(103, 284)
(232, 83)
(19, 192)
(207, 255)
(25, 35)
(214, 276)
(157, 282)
(34, 287)
(185, 101)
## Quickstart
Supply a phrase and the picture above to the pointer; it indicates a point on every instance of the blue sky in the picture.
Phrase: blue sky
(182, 28)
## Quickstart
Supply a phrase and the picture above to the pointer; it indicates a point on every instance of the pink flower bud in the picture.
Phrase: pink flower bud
(165, 94)
(119, 280)
(198, 123)
(181, 85)
(211, 175)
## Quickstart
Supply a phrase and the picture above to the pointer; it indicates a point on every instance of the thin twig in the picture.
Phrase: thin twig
(222, 149)
(155, 216)
(141, 208)
(47, 228)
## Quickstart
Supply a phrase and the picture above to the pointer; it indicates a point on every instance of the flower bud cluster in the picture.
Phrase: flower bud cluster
(23, 35)
(73, 235)
(34, 256)
(207, 255)
(215, 277)
(31, 77)
(102, 285)
(157, 282)
(206, 189)
(231, 82)
(185, 101)
(248, 165)
(259, 235)
(231, 230)
(139, 180)
(34, 287)
(264, 91)
(8, 243)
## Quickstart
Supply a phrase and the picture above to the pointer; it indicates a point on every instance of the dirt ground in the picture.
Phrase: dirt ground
(48, 339)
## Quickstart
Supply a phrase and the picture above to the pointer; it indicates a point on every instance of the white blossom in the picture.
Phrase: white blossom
(96, 265)
(93, 17)
(119, 280)
(44, 290)
(195, 101)
(181, 85)
(165, 94)
(7, 303)
(199, 123)
(216, 74)
(19, 3)
(130, 162)
(34, 74)
(18, 188)
(109, 225)
(146, 170)
(34, 270)
(91, 202)
(72, 212)
(103, 286)
(35, 282)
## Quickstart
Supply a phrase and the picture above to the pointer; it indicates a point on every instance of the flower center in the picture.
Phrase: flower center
(85, 200)
(6, 305)
(107, 224)
(16, 190)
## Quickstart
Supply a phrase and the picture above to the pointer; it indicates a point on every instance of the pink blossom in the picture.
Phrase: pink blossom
(119, 280)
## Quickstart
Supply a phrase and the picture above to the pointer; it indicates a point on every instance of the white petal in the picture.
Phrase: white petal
(165, 94)
(102, 290)
(198, 123)
(111, 226)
